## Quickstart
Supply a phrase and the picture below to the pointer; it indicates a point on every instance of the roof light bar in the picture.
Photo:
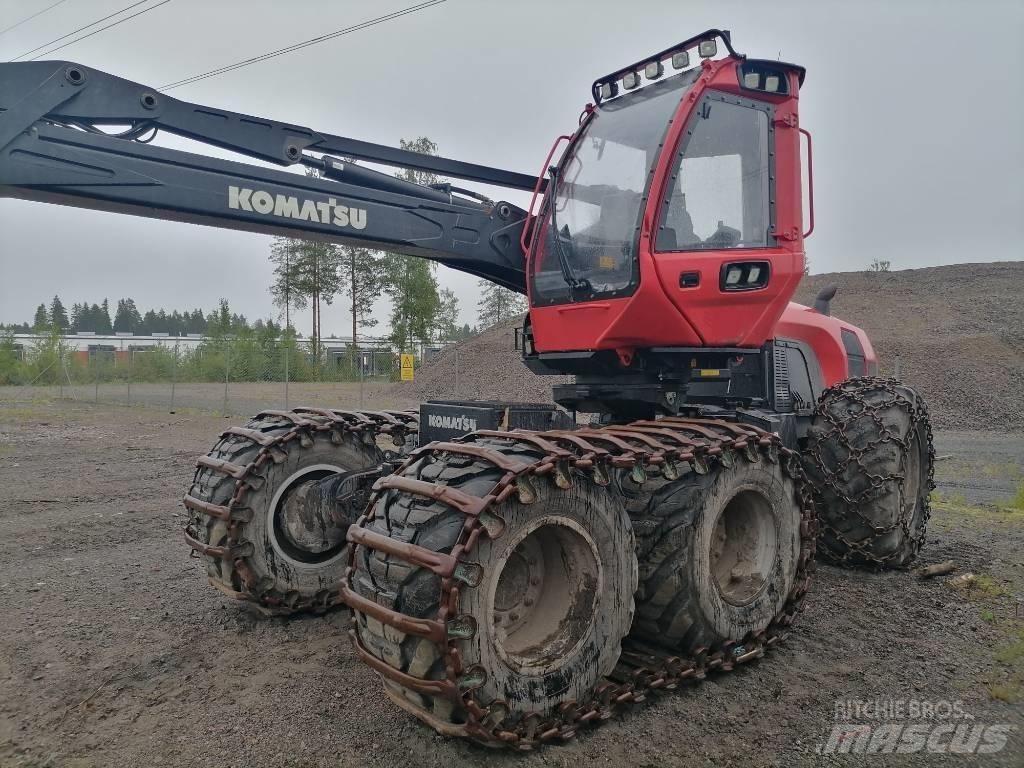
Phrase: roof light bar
(652, 68)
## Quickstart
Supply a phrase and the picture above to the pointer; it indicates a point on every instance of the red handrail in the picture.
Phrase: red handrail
(810, 181)
(527, 244)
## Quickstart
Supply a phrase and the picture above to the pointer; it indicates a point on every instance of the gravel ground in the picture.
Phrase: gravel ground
(956, 331)
(114, 651)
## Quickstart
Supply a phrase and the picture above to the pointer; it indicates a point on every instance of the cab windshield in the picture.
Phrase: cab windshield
(597, 197)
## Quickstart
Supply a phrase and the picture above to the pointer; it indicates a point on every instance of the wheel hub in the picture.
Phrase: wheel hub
(546, 595)
(744, 548)
(303, 527)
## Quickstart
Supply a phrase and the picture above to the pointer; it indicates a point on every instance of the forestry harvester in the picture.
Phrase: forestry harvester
(513, 576)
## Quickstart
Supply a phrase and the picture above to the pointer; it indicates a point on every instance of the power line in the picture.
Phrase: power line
(303, 44)
(37, 13)
(97, 31)
(69, 34)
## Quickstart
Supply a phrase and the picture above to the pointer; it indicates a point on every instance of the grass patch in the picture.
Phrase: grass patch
(1013, 654)
(1007, 692)
(1016, 502)
(954, 509)
(982, 586)
(1010, 656)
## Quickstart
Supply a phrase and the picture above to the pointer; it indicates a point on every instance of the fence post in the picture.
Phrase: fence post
(60, 373)
(131, 365)
(92, 357)
(227, 374)
(286, 376)
(174, 373)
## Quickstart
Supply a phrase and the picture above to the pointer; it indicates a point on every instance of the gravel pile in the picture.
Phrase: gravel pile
(957, 332)
(486, 366)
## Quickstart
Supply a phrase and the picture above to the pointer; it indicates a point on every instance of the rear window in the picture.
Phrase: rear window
(856, 364)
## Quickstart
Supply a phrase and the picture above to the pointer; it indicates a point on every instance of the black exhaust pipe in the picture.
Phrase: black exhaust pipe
(823, 303)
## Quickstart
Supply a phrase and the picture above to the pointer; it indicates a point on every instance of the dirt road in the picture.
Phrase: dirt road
(115, 652)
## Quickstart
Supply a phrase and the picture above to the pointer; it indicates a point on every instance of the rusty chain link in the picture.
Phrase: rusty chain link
(667, 446)
(853, 391)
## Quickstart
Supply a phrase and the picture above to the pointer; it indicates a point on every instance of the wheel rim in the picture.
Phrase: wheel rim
(298, 540)
(544, 599)
(744, 547)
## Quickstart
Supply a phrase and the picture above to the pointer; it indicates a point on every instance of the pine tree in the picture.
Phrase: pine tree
(122, 318)
(362, 274)
(58, 316)
(409, 282)
(306, 273)
(42, 319)
(497, 304)
(103, 323)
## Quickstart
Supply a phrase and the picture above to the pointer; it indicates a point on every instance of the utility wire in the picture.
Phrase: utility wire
(97, 31)
(37, 13)
(303, 44)
(69, 34)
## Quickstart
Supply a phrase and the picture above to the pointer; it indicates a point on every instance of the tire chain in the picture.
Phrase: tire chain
(668, 446)
(918, 413)
(367, 425)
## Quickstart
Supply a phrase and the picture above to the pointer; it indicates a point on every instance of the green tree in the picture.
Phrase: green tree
(127, 318)
(446, 321)
(497, 304)
(103, 323)
(306, 273)
(409, 282)
(42, 319)
(58, 315)
(362, 277)
(415, 303)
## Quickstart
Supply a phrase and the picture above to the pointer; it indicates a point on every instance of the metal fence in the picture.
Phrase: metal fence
(229, 376)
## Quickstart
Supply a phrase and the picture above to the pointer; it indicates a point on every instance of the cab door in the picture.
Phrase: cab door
(717, 247)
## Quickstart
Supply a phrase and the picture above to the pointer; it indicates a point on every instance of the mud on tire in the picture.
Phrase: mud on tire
(719, 553)
(238, 488)
(869, 459)
(559, 577)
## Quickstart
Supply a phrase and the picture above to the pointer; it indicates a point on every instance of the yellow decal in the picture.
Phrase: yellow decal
(606, 262)
(710, 373)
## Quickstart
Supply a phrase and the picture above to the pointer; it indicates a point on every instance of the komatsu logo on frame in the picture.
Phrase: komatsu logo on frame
(290, 207)
(461, 423)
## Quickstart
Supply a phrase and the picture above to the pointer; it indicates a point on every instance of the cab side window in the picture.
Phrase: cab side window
(722, 182)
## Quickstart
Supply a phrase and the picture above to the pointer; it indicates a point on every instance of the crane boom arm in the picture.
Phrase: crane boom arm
(52, 149)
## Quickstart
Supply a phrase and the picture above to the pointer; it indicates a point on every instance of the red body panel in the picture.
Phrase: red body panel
(823, 334)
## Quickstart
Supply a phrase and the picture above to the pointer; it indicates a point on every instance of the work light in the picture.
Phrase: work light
(680, 60)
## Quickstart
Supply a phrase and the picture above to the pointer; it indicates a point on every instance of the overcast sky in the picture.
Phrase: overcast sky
(915, 107)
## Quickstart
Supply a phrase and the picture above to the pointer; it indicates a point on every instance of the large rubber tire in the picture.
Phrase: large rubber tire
(719, 553)
(869, 458)
(275, 576)
(569, 531)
